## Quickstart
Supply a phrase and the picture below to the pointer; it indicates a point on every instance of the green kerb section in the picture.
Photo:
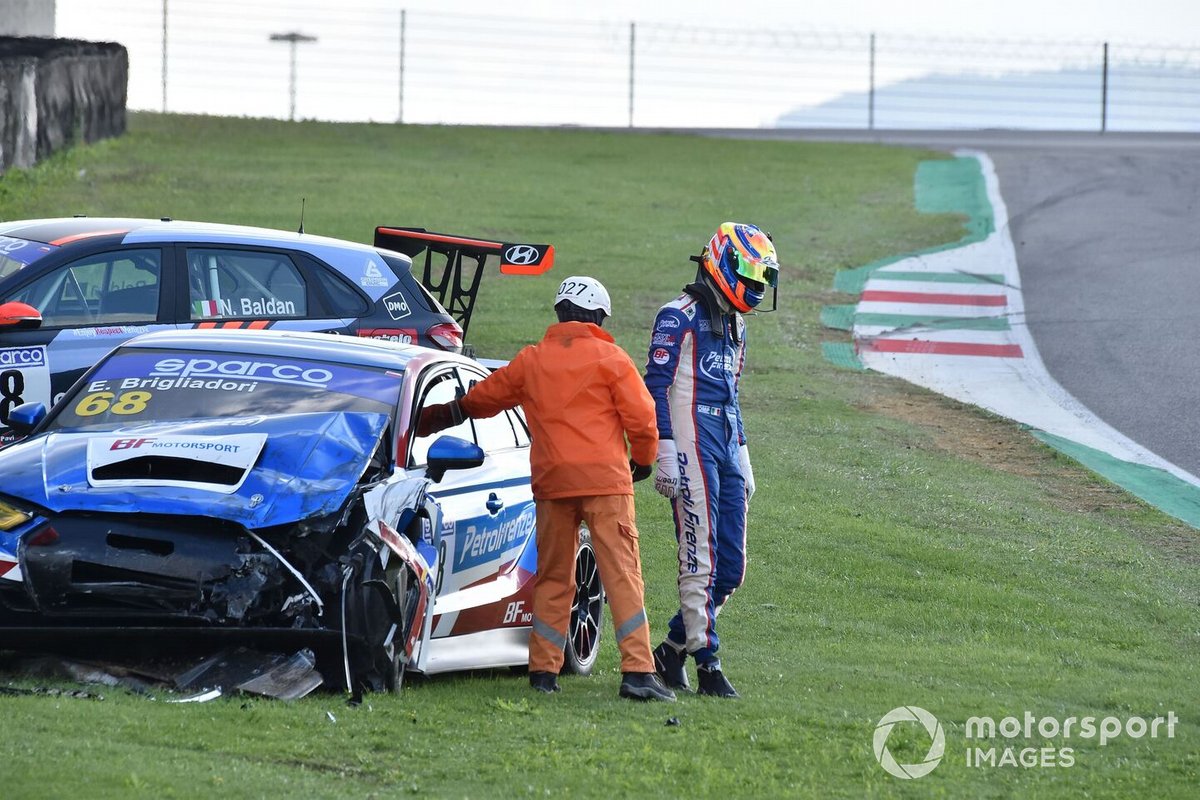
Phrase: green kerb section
(843, 318)
(841, 354)
(950, 186)
(1155, 486)
(954, 186)
(931, 323)
(839, 318)
(991, 278)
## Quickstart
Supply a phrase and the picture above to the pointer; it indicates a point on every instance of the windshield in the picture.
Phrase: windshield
(135, 385)
(18, 253)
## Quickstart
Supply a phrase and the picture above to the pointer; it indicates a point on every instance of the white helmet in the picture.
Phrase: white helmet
(586, 293)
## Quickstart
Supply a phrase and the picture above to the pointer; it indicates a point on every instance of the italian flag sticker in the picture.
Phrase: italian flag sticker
(205, 308)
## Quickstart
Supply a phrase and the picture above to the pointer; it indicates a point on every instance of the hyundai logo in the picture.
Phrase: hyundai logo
(522, 254)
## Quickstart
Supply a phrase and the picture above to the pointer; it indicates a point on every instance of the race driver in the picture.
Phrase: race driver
(697, 351)
(582, 396)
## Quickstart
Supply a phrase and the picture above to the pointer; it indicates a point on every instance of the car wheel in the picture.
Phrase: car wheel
(382, 598)
(587, 610)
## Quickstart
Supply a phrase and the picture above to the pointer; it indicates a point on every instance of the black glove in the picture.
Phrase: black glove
(439, 417)
(640, 472)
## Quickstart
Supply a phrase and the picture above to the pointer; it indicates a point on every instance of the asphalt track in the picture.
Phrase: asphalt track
(1107, 236)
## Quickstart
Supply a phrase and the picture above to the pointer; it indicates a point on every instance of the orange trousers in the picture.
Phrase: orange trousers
(610, 518)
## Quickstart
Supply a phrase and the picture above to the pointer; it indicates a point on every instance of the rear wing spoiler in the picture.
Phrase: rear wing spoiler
(451, 277)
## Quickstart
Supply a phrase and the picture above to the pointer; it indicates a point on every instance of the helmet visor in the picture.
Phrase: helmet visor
(755, 270)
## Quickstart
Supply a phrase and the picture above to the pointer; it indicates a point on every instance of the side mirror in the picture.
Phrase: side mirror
(26, 417)
(450, 452)
(19, 316)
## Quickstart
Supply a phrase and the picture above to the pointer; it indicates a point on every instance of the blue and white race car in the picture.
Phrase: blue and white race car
(73, 288)
(268, 486)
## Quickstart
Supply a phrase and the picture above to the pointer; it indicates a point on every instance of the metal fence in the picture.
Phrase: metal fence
(367, 61)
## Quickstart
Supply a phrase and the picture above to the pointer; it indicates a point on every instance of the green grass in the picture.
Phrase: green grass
(887, 567)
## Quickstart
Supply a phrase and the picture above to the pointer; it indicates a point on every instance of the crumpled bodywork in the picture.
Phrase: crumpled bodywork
(308, 468)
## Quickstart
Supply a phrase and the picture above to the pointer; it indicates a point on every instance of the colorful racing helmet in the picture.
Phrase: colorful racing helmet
(740, 261)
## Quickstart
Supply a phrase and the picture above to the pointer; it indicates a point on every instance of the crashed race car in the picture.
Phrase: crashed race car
(269, 487)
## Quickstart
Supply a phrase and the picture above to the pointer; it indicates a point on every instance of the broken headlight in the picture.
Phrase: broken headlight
(12, 517)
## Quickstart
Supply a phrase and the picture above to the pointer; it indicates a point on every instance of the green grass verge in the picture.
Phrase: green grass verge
(887, 567)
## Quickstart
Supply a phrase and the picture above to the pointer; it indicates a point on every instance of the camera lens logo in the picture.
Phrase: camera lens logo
(932, 727)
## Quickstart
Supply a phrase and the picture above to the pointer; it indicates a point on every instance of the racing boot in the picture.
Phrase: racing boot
(645, 686)
(713, 682)
(668, 663)
(544, 682)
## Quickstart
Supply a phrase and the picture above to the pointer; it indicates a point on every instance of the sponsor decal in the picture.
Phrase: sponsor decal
(372, 276)
(516, 614)
(717, 366)
(481, 542)
(267, 306)
(704, 325)
(660, 356)
(666, 323)
(689, 519)
(712, 411)
(111, 330)
(24, 378)
(522, 254)
(23, 357)
(666, 339)
(237, 450)
(265, 371)
(397, 335)
(9, 245)
(690, 311)
(397, 306)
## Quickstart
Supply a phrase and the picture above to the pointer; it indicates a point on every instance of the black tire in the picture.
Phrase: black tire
(587, 611)
(380, 665)
(391, 653)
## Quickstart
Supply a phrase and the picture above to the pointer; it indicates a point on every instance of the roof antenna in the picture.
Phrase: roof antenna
(301, 230)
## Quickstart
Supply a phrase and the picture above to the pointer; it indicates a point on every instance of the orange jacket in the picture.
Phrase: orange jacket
(582, 396)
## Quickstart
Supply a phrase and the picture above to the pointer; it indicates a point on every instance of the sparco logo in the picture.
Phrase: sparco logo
(521, 254)
(932, 727)
(23, 357)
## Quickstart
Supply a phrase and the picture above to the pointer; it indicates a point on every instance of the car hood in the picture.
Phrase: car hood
(259, 471)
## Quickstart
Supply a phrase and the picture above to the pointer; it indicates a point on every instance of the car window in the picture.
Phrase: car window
(134, 385)
(110, 288)
(441, 388)
(343, 301)
(226, 284)
(491, 433)
(519, 427)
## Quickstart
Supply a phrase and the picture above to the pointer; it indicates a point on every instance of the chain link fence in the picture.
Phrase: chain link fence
(359, 62)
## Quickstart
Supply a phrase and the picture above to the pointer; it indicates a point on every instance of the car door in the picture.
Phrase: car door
(88, 306)
(486, 549)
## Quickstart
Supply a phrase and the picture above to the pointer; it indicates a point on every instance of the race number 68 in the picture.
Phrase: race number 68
(99, 402)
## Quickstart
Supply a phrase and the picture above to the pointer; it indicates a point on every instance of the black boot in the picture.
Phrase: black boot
(645, 686)
(668, 663)
(713, 682)
(544, 681)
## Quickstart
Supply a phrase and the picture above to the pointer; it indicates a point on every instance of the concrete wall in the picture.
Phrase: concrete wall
(27, 18)
(56, 92)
